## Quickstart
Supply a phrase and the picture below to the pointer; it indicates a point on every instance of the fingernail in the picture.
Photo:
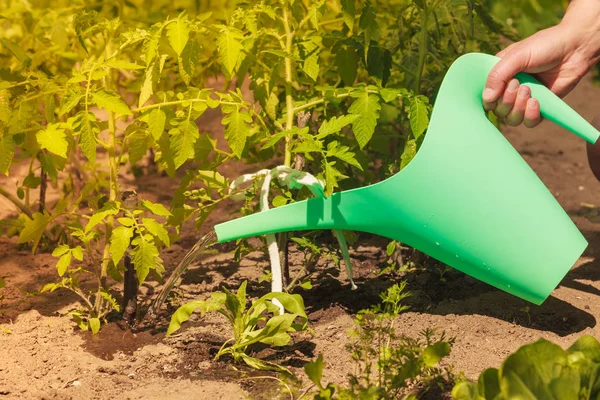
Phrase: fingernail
(513, 86)
(523, 92)
(488, 94)
(532, 103)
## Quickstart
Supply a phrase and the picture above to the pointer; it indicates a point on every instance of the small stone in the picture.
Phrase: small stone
(76, 383)
(131, 376)
(581, 188)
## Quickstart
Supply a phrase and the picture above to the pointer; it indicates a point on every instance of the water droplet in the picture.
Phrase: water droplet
(457, 256)
(437, 243)
(509, 286)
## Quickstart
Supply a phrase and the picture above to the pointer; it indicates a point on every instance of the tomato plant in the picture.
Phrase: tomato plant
(89, 91)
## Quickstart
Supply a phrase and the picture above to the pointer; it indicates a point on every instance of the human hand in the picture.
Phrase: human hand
(558, 57)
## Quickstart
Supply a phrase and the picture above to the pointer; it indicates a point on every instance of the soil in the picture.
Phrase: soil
(44, 356)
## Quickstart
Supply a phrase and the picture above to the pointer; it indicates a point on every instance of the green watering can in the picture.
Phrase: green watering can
(467, 199)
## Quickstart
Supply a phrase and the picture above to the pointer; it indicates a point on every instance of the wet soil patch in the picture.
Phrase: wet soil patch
(114, 338)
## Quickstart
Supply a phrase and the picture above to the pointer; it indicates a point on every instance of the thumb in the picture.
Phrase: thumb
(512, 63)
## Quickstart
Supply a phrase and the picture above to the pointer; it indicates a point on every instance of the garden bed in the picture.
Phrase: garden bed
(45, 356)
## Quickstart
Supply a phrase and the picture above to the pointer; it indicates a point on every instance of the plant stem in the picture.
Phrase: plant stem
(422, 50)
(175, 102)
(289, 99)
(43, 187)
(16, 202)
(113, 188)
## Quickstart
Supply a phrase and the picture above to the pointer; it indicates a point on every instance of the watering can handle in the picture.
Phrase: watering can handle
(554, 109)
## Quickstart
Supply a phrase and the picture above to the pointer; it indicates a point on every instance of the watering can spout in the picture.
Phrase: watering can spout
(316, 213)
(467, 198)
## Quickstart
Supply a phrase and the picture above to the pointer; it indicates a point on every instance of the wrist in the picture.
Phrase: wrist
(580, 29)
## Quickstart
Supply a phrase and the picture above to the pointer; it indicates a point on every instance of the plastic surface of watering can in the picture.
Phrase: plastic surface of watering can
(467, 199)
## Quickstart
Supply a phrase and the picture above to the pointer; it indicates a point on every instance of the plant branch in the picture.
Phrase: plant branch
(10, 197)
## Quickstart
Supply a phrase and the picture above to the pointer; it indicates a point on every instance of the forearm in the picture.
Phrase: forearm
(581, 24)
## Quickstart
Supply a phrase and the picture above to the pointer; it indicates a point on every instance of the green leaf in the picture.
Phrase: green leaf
(263, 365)
(15, 49)
(183, 138)
(230, 48)
(366, 107)
(178, 33)
(156, 229)
(182, 314)
(145, 257)
(188, 60)
(60, 250)
(122, 64)
(419, 119)
(126, 221)
(111, 101)
(335, 124)
(213, 179)
(314, 370)
(410, 150)
(346, 62)
(53, 139)
(156, 123)
(466, 390)
(156, 208)
(391, 247)
(31, 181)
(148, 86)
(34, 229)
(390, 94)
(282, 134)
(7, 151)
(77, 253)
(94, 325)
(279, 339)
(349, 12)
(119, 242)
(139, 142)
(63, 263)
(308, 145)
(165, 156)
(69, 102)
(237, 128)
(85, 126)
(279, 201)
(489, 383)
(293, 303)
(435, 352)
(311, 66)
(109, 208)
(150, 47)
(111, 300)
(368, 25)
(334, 149)
(332, 177)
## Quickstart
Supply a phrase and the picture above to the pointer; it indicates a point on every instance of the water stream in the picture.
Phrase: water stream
(200, 247)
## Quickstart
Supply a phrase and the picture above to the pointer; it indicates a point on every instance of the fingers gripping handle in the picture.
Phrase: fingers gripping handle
(556, 110)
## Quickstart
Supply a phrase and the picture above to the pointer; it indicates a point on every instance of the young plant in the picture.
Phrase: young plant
(136, 237)
(387, 365)
(540, 370)
(259, 323)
